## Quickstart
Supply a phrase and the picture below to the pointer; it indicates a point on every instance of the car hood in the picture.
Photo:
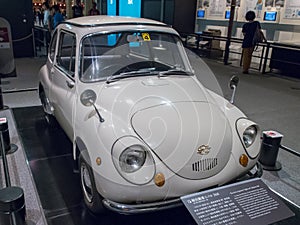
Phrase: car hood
(174, 117)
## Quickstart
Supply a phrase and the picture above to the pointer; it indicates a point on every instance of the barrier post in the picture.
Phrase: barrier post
(7, 62)
(12, 201)
(269, 150)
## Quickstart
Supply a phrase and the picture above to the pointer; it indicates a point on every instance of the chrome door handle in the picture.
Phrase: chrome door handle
(70, 84)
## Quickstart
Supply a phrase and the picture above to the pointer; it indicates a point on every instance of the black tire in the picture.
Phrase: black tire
(92, 198)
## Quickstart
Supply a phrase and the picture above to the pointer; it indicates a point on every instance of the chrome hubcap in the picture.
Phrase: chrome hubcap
(86, 183)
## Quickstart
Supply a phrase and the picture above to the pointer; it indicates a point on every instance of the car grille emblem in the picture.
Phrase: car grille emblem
(203, 149)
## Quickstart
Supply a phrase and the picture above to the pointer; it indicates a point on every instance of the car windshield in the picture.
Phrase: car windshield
(128, 54)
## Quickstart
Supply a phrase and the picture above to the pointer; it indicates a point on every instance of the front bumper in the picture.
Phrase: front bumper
(129, 209)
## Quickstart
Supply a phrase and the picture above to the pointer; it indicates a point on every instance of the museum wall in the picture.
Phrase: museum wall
(284, 24)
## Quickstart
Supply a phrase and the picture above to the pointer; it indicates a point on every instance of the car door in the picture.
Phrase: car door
(63, 87)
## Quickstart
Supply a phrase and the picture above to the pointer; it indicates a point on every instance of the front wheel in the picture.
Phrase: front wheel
(92, 199)
(50, 119)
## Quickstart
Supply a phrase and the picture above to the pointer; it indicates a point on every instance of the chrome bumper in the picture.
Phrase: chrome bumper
(128, 209)
(141, 208)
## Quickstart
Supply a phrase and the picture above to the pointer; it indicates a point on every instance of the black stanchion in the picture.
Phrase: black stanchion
(269, 150)
(1, 97)
(12, 206)
(2, 106)
(8, 147)
(12, 201)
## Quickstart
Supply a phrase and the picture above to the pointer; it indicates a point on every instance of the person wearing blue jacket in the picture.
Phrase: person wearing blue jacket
(57, 17)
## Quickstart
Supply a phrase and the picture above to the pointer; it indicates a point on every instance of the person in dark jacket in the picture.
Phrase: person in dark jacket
(77, 9)
(94, 11)
(248, 31)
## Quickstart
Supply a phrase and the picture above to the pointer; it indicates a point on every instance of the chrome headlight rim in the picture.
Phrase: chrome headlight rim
(241, 125)
(147, 170)
(249, 135)
(136, 154)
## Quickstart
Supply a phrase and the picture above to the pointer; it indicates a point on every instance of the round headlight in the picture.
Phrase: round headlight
(132, 158)
(249, 136)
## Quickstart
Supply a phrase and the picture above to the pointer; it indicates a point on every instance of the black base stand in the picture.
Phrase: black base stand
(12, 149)
(276, 167)
(12, 206)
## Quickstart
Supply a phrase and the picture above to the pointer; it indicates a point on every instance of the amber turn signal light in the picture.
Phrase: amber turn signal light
(98, 161)
(244, 160)
(159, 179)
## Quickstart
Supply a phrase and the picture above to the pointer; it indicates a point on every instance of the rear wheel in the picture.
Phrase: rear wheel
(92, 199)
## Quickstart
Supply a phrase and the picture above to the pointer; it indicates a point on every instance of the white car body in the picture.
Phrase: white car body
(191, 137)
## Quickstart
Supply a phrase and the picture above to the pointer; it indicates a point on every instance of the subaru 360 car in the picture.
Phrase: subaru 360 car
(145, 131)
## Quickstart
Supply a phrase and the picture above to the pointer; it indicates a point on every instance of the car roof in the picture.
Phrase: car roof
(103, 20)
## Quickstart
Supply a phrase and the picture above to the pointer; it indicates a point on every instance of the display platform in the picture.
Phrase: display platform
(49, 155)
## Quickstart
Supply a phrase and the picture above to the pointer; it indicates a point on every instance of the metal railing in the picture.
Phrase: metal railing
(42, 38)
(200, 42)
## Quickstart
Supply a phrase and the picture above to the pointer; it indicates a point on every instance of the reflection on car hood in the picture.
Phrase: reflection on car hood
(192, 138)
(174, 116)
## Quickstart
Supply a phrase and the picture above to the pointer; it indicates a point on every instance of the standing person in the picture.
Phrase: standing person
(46, 9)
(57, 17)
(77, 9)
(41, 17)
(50, 20)
(248, 31)
(94, 10)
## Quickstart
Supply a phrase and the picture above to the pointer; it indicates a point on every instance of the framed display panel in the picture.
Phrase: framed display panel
(271, 16)
(201, 14)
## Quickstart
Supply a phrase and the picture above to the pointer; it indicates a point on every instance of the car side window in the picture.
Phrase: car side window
(52, 46)
(66, 53)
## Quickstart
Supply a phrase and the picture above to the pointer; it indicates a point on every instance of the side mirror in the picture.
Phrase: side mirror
(88, 98)
(234, 80)
(232, 85)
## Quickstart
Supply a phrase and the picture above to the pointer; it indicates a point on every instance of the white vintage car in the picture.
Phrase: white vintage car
(144, 130)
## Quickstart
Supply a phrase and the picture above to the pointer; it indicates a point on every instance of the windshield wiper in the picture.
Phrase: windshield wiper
(174, 72)
(120, 76)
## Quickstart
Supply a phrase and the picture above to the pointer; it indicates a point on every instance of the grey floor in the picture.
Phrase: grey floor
(273, 101)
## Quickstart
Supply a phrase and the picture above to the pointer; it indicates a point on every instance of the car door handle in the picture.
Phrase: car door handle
(70, 84)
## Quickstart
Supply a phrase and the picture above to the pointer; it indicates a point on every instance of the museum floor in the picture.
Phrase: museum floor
(271, 100)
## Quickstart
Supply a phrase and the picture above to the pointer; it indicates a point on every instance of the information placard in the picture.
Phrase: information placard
(247, 202)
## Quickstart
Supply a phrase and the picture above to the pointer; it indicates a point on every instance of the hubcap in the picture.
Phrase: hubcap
(86, 183)
(46, 104)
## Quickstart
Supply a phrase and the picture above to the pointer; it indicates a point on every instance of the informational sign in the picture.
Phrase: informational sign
(252, 5)
(279, 3)
(292, 9)
(7, 63)
(4, 39)
(269, 3)
(217, 8)
(130, 8)
(248, 202)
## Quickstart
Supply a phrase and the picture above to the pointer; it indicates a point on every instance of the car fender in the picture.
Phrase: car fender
(44, 81)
